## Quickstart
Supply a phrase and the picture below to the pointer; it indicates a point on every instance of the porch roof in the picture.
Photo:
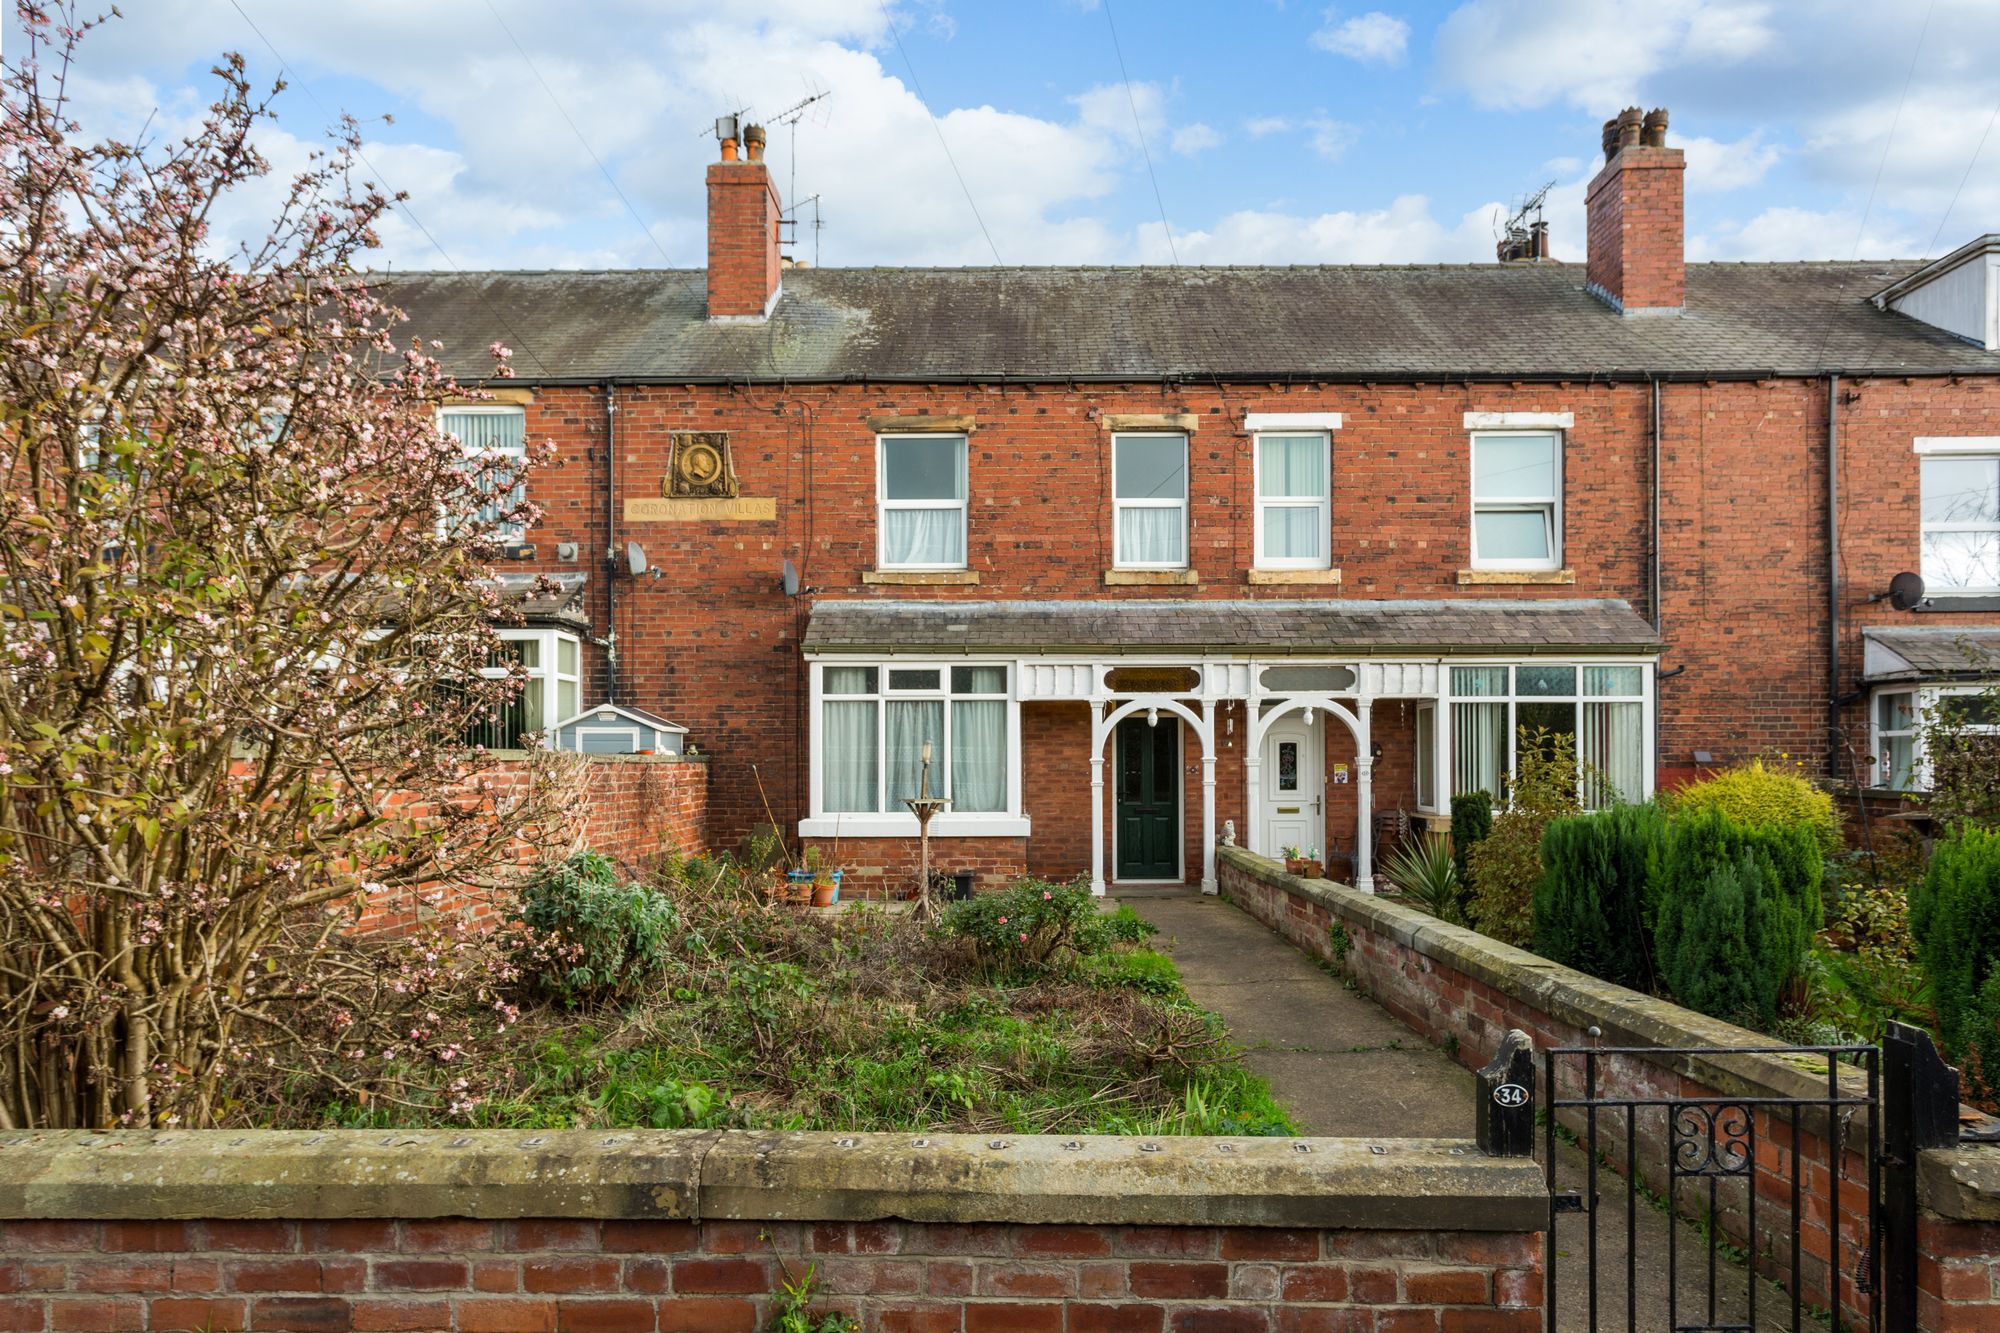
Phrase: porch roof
(1921, 654)
(1283, 628)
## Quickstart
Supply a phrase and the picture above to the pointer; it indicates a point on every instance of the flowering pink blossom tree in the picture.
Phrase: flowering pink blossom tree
(243, 622)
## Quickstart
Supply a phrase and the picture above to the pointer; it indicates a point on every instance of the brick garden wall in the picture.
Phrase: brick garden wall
(1465, 991)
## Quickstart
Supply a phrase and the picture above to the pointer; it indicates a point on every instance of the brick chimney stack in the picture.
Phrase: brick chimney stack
(743, 267)
(1637, 249)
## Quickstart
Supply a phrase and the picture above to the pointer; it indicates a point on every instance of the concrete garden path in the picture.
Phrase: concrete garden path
(1345, 1068)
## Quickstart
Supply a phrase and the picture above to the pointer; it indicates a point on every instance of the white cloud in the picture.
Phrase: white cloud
(1716, 167)
(1405, 232)
(1793, 233)
(1372, 36)
(1259, 126)
(1195, 138)
(1330, 138)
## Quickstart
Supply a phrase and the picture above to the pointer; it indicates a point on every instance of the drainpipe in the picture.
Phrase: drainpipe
(610, 541)
(1654, 559)
(1833, 575)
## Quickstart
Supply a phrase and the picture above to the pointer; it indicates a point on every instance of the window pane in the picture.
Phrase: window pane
(923, 536)
(1974, 710)
(1543, 680)
(1511, 534)
(488, 432)
(1480, 680)
(850, 680)
(1291, 467)
(914, 678)
(1557, 719)
(534, 705)
(1479, 736)
(847, 740)
(1288, 766)
(1506, 467)
(922, 469)
(1151, 467)
(911, 722)
(567, 702)
(1152, 537)
(1961, 490)
(1613, 680)
(1426, 758)
(567, 650)
(1899, 763)
(978, 754)
(1613, 748)
(1895, 712)
(1962, 559)
(529, 651)
(1292, 532)
(979, 680)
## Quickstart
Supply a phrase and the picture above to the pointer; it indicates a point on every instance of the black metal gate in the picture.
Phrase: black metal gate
(1677, 1210)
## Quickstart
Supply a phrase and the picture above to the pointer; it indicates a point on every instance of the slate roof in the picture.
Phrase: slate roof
(1913, 654)
(916, 324)
(543, 598)
(1143, 626)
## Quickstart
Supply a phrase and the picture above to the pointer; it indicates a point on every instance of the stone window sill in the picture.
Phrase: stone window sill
(1323, 577)
(1151, 578)
(1517, 576)
(923, 578)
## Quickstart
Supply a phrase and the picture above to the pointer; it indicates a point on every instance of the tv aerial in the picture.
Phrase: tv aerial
(1525, 235)
(789, 118)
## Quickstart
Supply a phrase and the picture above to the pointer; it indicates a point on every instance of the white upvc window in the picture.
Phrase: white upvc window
(552, 692)
(871, 723)
(1600, 705)
(921, 490)
(495, 440)
(1426, 759)
(1294, 480)
(1517, 499)
(1149, 501)
(1895, 719)
(1961, 522)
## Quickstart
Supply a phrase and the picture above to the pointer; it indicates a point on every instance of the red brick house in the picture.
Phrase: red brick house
(1142, 551)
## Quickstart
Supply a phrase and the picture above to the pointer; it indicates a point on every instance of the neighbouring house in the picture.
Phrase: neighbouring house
(1138, 551)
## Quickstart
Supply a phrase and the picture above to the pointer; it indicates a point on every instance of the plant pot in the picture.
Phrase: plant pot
(825, 894)
(1304, 867)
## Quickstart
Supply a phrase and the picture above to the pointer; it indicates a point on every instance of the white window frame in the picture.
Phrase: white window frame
(1986, 448)
(1324, 504)
(1550, 506)
(548, 676)
(883, 504)
(1427, 759)
(502, 532)
(1118, 506)
(1008, 822)
(1447, 721)
(1925, 698)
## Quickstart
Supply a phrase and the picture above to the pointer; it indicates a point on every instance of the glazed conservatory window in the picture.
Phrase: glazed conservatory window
(1149, 510)
(1600, 707)
(1516, 500)
(552, 692)
(495, 440)
(922, 502)
(1293, 504)
(875, 721)
(1961, 522)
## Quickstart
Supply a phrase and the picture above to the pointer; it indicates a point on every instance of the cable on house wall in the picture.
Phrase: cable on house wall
(1140, 130)
(918, 87)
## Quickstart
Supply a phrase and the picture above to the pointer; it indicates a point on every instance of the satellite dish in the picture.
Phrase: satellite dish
(790, 579)
(635, 558)
(1906, 591)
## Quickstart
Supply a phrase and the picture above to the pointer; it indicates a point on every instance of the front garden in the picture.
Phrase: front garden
(692, 1000)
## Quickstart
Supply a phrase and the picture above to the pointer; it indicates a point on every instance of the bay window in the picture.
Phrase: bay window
(1149, 501)
(921, 502)
(553, 691)
(1517, 500)
(1293, 501)
(1600, 707)
(875, 721)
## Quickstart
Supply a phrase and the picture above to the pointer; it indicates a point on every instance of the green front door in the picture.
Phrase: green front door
(1149, 799)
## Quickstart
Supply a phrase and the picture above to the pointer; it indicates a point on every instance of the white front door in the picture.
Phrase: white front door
(1294, 769)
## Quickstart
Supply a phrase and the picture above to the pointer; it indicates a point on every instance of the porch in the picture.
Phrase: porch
(1121, 739)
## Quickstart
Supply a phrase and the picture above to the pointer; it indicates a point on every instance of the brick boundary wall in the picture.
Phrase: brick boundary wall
(1459, 988)
(657, 1231)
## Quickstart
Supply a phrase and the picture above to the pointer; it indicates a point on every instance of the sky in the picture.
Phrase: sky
(536, 134)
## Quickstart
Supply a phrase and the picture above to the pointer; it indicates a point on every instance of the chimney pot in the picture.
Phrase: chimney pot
(729, 150)
(753, 142)
(1654, 134)
(1610, 138)
(1631, 127)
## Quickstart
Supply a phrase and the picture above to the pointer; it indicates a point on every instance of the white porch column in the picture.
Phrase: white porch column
(1208, 796)
(1364, 793)
(1253, 796)
(1097, 797)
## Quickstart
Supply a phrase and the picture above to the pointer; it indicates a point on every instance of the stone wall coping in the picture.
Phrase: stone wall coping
(1624, 1017)
(1397, 1184)
(1960, 1183)
(699, 757)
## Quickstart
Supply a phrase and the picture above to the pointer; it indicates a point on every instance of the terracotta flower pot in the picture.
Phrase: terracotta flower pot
(1304, 867)
(824, 893)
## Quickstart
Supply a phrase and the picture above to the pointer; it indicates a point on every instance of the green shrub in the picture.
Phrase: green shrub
(1955, 915)
(1032, 926)
(1776, 871)
(1759, 797)
(1506, 864)
(1425, 872)
(1471, 821)
(587, 938)
(1591, 905)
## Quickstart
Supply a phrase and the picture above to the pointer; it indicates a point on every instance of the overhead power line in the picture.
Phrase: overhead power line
(1140, 130)
(563, 111)
(938, 130)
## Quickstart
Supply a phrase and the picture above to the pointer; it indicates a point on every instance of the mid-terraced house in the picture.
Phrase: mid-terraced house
(1141, 555)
